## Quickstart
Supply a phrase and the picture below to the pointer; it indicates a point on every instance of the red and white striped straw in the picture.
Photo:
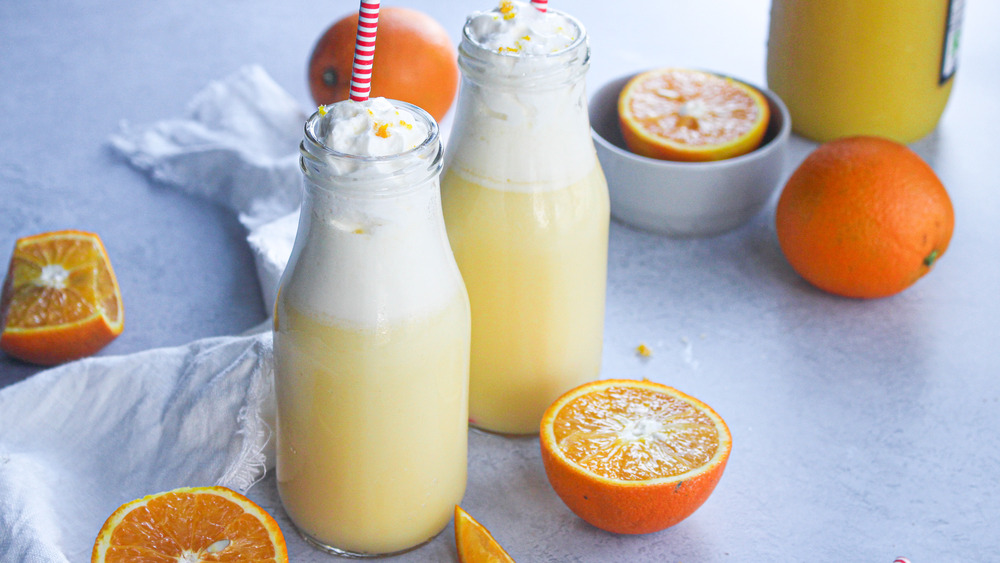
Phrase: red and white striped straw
(364, 50)
(540, 5)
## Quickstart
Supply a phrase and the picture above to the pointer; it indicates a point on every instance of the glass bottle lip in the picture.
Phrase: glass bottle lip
(315, 137)
(475, 59)
(318, 161)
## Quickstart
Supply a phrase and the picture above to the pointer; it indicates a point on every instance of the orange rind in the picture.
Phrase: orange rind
(633, 457)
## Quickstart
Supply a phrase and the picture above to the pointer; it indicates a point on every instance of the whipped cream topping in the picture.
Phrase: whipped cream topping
(376, 249)
(521, 121)
(373, 127)
(518, 29)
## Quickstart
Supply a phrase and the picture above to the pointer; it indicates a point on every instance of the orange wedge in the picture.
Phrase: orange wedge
(633, 457)
(475, 543)
(690, 115)
(60, 299)
(190, 525)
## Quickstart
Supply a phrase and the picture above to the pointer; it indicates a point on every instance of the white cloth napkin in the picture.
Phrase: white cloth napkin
(78, 440)
(237, 145)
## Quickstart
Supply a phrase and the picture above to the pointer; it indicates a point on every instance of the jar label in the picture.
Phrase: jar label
(952, 36)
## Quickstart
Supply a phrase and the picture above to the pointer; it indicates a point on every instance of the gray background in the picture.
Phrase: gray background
(863, 430)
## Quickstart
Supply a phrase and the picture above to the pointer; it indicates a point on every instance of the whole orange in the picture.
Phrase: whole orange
(863, 217)
(415, 61)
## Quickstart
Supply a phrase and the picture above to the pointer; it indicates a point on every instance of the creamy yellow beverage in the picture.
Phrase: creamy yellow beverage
(526, 206)
(373, 432)
(535, 266)
(371, 338)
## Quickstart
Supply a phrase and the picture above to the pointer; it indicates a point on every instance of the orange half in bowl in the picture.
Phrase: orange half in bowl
(691, 115)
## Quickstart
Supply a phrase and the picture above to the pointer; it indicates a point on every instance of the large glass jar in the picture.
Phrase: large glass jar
(859, 67)
(371, 339)
(526, 206)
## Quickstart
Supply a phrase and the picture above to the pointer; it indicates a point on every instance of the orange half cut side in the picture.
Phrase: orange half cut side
(190, 525)
(690, 115)
(633, 457)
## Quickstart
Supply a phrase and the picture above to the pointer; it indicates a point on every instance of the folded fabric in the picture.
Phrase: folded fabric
(237, 145)
(79, 440)
(271, 244)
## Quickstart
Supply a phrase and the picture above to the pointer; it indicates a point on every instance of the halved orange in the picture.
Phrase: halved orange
(190, 525)
(691, 115)
(60, 299)
(633, 457)
(475, 543)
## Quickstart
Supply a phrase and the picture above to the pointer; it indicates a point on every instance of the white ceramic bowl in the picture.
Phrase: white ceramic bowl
(686, 199)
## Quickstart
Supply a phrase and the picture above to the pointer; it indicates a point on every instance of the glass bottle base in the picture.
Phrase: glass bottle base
(355, 554)
(489, 431)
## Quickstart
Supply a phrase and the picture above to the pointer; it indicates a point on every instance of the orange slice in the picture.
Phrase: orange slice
(689, 115)
(60, 299)
(475, 543)
(633, 457)
(190, 525)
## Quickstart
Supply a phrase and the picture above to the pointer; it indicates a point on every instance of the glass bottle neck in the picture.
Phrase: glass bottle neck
(498, 69)
(521, 122)
(368, 177)
(360, 194)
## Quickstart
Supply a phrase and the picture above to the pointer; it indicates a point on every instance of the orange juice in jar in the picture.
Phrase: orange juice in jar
(872, 67)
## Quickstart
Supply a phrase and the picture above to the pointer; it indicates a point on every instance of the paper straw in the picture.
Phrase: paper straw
(540, 5)
(364, 50)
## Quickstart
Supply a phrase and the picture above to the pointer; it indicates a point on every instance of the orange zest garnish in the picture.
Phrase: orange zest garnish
(507, 9)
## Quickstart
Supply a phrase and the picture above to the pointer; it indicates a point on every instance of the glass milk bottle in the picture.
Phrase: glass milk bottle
(371, 339)
(863, 67)
(526, 205)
